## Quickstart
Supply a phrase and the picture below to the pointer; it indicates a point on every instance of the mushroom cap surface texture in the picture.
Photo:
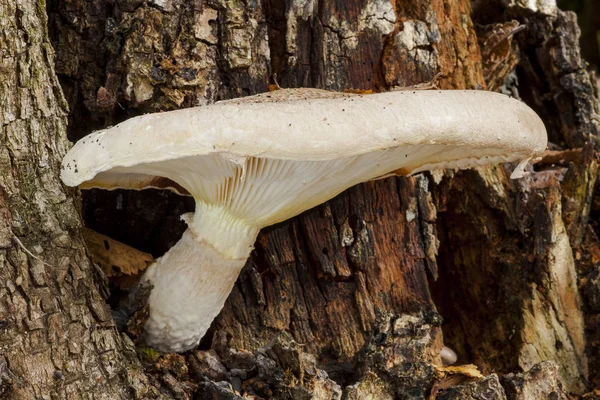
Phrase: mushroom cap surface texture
(307, 140)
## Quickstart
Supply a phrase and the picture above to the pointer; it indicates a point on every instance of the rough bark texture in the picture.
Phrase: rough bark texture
(57, 337)
(344, 300)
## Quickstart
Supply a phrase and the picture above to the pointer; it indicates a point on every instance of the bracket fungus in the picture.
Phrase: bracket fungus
(255, 161)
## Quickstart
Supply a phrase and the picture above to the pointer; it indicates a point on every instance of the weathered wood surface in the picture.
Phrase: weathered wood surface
(519, 300)
(340, 301)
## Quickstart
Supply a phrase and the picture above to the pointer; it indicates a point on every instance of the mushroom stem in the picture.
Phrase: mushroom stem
(194, 278)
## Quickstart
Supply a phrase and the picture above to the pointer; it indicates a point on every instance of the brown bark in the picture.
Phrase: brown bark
(336, 301)
(532, 229)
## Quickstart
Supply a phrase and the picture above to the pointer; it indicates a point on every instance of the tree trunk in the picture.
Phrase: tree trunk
(57, 336)
(348, 299)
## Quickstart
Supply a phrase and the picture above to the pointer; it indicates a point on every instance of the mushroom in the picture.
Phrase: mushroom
(255, 161)
(448, 356)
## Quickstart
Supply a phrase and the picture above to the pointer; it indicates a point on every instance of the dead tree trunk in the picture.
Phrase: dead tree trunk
(347, 299)
(518, 302)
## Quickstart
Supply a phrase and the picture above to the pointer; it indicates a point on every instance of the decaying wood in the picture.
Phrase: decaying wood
(499, 54)
(347, 299)
(532, 228)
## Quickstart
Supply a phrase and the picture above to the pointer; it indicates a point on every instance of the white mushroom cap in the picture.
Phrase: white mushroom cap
(242, 139)
(255, 161)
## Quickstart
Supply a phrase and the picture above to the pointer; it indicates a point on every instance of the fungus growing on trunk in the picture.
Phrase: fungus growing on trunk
(259, 160)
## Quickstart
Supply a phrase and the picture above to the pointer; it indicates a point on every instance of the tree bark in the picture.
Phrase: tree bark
(347, 299)
(57, 336)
